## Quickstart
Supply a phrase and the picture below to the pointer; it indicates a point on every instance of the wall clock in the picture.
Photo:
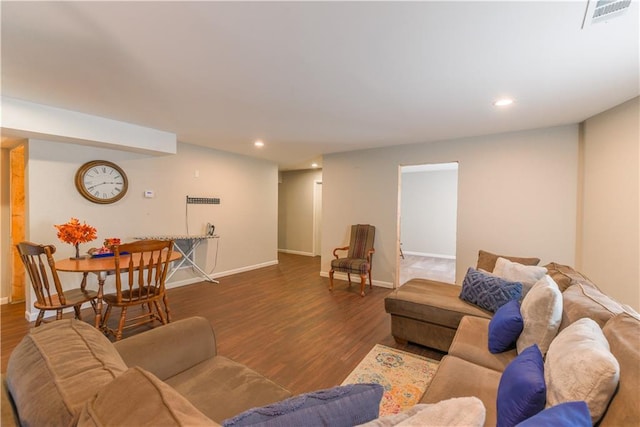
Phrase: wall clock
(101, 181)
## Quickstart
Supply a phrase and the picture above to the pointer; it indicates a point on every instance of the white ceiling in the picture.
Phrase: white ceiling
(311, 78)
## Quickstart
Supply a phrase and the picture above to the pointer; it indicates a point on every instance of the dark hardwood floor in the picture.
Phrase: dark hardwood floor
(281, 321)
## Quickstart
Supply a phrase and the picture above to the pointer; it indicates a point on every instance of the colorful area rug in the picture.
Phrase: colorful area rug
(403, 375)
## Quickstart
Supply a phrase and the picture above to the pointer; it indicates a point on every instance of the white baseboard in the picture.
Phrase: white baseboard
(429, 254)
(4, 300)
(247, 268)
(289, 251)
(355, 278)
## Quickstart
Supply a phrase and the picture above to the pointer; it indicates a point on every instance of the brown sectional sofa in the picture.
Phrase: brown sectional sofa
(432, 314)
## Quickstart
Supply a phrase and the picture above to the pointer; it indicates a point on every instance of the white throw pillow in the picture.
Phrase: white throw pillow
(580, 366)
(457, 411)
(528, 275)
(541, 312)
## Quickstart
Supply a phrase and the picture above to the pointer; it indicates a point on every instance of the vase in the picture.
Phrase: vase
(77, 246)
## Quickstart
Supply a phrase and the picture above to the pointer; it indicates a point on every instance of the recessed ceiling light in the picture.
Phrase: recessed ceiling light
(503, 102)
(314, 165)
(259, 143)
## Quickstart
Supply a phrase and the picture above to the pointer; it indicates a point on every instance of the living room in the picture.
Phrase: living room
(564, 190)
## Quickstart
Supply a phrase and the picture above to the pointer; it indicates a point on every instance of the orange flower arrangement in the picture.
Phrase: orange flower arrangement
(75, 233)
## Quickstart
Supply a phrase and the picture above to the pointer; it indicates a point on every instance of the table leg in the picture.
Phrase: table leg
(102, 276)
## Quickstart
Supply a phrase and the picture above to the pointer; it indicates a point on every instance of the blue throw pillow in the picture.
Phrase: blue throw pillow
(522, 392)
(505, 327)
(567, 414)
(346, 405)
(487, 291)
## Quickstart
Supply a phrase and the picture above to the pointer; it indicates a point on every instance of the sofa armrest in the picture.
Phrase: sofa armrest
(170, 349)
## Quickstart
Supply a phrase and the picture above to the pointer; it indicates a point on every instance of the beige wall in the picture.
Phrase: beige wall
(517, 194)
(295, 211)
(245, 219)
(609, 251)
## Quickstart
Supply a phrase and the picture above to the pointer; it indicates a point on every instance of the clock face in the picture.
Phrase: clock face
(101, 181)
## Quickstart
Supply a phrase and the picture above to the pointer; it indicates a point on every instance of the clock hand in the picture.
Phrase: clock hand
(97, 185)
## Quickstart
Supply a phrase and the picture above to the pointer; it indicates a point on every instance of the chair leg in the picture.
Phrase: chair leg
(165, 301)
(94, 306)
(59, 314)
(370, 281)
(76, 309)
(331, 279)
(105, 317)
(39, 318)
(156, 304)
(123, 317)
(363, 282)
(349, 277)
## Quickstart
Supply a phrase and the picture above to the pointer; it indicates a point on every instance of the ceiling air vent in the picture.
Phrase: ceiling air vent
(604, 10)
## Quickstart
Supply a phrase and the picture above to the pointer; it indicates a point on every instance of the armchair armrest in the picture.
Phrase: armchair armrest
(345, 248)
(369, 253)
(170, 349)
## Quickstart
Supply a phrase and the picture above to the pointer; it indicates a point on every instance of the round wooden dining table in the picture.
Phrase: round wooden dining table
(101, 267)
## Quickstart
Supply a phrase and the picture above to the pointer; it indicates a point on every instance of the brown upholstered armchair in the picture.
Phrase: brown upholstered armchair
(358, 260)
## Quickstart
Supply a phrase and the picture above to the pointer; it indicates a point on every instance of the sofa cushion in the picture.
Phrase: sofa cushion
(487, 260)
(221, 388)
(623, 334)
(581, 300)
(569, 414)
(541, 313)
(528, 275)
(579, 366)
(566, 276)
(505, 327)
(488, 291)
(432, 302)
(56, 368)
(458, 411)
(342, 406)
(139, 398)
(459, 378)
(522, 390)
(470, 344)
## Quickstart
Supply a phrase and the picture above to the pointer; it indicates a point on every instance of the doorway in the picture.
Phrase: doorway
(317, 218)
(428, 207)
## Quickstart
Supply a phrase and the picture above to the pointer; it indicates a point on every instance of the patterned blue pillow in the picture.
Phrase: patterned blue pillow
(522, 391)
(346, 405)
(487, 291)
(505, 327)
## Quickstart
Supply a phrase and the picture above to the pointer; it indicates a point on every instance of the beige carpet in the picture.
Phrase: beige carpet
(403, 375)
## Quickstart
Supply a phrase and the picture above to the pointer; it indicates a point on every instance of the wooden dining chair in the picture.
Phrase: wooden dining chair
(145, 271)
(41, 268)
(359, 256)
